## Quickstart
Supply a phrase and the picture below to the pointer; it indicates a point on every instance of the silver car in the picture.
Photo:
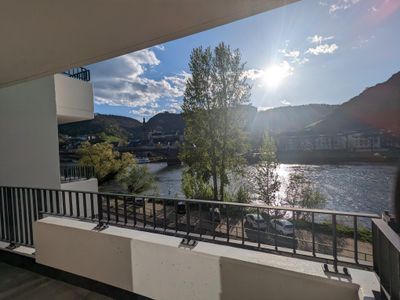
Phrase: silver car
(256, 221)
(283, 226)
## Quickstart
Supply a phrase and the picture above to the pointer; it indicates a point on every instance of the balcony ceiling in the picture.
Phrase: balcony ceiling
(44, 37)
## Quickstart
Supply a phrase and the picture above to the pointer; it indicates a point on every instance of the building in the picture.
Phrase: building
(353, 141)
(73, 234)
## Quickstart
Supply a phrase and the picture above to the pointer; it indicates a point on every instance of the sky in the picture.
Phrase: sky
(311, 51)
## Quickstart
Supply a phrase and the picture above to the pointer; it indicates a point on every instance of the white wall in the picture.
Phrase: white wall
(156, 266)
(28, 135)
(89, 185)
(74, 99)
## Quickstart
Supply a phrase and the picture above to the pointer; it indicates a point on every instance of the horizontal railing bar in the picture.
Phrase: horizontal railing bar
(259, 206)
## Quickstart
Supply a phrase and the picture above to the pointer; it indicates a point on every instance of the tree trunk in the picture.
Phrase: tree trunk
(215, 181)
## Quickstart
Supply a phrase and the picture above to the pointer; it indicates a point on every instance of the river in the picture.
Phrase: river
(359, 187)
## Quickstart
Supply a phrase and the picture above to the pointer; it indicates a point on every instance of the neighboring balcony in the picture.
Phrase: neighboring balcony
(74, 96)
(81, 178)
(70, 173)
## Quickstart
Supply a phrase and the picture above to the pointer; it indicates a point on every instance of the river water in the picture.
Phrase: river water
(361, 187)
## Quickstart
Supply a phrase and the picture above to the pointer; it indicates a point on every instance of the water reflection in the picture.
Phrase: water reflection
(366, 188)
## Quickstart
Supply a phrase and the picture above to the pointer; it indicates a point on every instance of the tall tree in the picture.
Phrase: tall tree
(214, 140)
(264, 175)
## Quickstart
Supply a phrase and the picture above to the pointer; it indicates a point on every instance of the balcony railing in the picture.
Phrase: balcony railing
(76, 173)
(317, 234)
(387, 259)
(78, 73)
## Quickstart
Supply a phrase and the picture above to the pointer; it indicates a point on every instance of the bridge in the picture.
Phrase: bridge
(169, 152)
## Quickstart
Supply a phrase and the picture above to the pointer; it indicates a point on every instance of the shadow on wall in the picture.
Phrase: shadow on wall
(244, 280)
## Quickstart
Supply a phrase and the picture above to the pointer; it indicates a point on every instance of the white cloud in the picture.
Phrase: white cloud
(174, 106)
(362, 42)
(152, 109)
(338, 5)
(291, 54)
(143, 112)
(160, 47)
(122, 81)
(294, 56)
(323, 49)
(285, 102)
(264, 108)
(318, 39)
(253, 74)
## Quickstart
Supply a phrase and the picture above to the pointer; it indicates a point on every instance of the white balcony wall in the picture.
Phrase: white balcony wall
(74, 99)
(157, 266)
(29, 137)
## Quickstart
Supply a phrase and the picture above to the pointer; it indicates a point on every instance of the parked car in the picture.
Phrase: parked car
(136, 201)
(181, 207)
(256, 221)
(216, 215)
(282, 226)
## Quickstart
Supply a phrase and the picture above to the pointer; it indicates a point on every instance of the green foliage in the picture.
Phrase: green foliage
(195, 188)
(137, 179)
(243, 195)
(300, 192)
(106, 162)
(364, 234)
(214, 138)
(264, 177)
(110, 138)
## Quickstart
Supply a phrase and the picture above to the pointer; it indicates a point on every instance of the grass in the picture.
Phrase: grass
(363, 234)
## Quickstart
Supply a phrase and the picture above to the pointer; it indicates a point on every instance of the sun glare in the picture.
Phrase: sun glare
(275, 74)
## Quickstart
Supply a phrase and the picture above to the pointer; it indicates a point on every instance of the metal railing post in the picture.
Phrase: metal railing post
(335, 258)
(355, 240)
(100, 210)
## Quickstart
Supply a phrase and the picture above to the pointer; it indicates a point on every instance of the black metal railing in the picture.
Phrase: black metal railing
(387, 259)
(70, 173)
(80, 73)
(316, 234)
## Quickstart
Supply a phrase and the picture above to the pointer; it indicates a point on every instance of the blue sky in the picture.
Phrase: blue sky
(311, 51)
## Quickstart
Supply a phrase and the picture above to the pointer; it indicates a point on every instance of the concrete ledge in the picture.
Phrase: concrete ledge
(157, 266)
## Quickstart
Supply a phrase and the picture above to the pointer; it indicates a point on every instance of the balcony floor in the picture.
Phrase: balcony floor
(17, 283)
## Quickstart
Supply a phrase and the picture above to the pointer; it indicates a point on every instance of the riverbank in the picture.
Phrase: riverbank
(338, 157)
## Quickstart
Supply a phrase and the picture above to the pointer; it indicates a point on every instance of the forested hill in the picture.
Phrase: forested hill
(377, 107)
(119, 126)
(281, 119)
(290, 118)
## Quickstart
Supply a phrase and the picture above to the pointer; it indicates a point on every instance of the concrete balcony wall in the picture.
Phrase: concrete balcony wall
(29, 137)
(157, 266)
(74, 99)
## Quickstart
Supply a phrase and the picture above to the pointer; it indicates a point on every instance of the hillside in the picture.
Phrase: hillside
(277, 120)
(377, 107)
(166, 122)
(119, 126)
(290, 118)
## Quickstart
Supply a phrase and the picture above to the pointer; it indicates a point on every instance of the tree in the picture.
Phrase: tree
(214, 139)
(300, 192)
(137, 179)
(106, 162)
(265, 179)
(195, 188)
(242, 195)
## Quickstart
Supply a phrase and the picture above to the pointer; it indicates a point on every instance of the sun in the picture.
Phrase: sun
(275, 74)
